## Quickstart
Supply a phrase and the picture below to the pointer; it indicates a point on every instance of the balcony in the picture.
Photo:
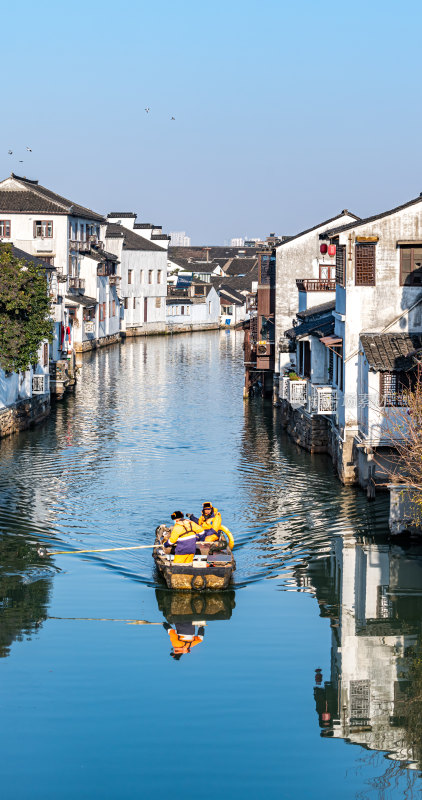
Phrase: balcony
(315, 285)
(297, 392)
(322, 400)
(76, 284)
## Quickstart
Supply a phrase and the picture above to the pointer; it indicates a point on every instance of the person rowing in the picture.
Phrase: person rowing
(184, 535)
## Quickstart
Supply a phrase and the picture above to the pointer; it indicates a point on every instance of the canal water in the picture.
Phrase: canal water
(306, 678)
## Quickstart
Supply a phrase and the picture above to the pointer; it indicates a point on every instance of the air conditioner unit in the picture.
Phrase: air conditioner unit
(263, 348)
(40, 384)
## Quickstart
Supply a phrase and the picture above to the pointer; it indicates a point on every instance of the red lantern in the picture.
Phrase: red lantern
(331, 249)
(323, 249)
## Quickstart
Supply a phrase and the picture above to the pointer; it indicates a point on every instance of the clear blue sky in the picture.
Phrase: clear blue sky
(286, 113)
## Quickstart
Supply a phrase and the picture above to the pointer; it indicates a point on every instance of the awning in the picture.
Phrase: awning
(329, 341)
(333, 343)
(80, 300)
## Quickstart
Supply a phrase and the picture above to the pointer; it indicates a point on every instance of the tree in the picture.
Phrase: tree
(24, 311)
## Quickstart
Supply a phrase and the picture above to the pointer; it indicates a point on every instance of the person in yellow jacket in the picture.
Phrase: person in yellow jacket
(210, 521)
(183, 637)
(184, 535)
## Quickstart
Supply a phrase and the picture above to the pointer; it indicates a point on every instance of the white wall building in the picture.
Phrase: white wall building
(179, 239)
(143, 272)
(190, 312)
(299, 258)
(45, 224)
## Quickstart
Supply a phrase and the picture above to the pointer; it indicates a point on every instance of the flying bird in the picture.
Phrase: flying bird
(29, 150)
(147, 110)
(10, 152)
(20, 162)
(174, 118)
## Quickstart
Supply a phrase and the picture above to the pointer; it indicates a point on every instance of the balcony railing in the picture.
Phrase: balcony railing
(77, 284)
(297, 392)
(315, 285)
(322, 400)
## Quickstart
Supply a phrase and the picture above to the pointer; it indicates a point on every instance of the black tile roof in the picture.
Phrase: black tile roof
(228, 291)
(359, 222)
(37, 199)
(315, 227)
(101, 255)
(121, 215)
(131, 240)
(315, 311)
(386, 352)
(39, 262)
(240, 266)
(200, 253)
(229, 299)
(322, 326)
(82, 300)
(145, 225)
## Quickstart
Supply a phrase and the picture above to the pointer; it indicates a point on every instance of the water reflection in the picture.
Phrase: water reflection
(187, 615)
(24, 592)
(372, 593)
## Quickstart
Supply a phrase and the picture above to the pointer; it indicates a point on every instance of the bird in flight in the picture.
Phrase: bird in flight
(147, 110)
(10, 152)
(174, 118)
(20, 162)
(29, 150)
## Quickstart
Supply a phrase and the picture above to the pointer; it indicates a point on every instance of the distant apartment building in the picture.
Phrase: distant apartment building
(239, 242)
(179, 239)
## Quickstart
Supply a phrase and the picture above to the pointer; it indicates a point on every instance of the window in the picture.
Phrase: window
(393, 388)
(365, 265)
(125, 303)
(113, 305)
(159, 274)
(101, 312)
(188, 309)
(43, 229)
(158, 302)
(48, 260)
(5, 228)
(134, 302)
(327, 272)
(150, 275)
(45, 354)
(129, 276)
(341, 265)
(182, 310)
(410, 266)
(141, 276)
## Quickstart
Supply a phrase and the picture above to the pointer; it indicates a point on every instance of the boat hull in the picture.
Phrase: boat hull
(212, 573)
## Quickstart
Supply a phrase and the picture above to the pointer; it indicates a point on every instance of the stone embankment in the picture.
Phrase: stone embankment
(24, 414)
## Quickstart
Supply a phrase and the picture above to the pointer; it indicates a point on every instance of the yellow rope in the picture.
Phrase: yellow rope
(108, 619)
(101, 550)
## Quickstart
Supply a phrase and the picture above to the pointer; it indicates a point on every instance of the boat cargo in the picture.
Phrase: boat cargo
(211, 570)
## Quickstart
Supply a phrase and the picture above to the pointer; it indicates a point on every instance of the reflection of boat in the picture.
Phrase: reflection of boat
(188, 613)
(184, 607)
(208, 571)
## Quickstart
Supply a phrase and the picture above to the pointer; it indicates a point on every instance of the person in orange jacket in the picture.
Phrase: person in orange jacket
(210, 521)
(184, 535)
(183, 638)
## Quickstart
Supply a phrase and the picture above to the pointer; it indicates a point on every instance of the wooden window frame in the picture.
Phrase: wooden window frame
(134, 304)
(150, 276)
(410, 279)
(365, 264)
(341, 265)
(125, 302)
(129, 277)
(4, 223)
(393, 387)
(43, 223)
(159, 275)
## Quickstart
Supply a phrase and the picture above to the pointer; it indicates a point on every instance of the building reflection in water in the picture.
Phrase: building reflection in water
(187, 615)
(372, 592)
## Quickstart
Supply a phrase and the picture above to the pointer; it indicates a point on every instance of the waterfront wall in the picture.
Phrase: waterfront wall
(23, 414)
(94, 344)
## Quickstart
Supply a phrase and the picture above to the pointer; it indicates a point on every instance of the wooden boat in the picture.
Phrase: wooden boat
(211, 569)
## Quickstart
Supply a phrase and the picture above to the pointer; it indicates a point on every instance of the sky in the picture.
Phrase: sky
(285, 112)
